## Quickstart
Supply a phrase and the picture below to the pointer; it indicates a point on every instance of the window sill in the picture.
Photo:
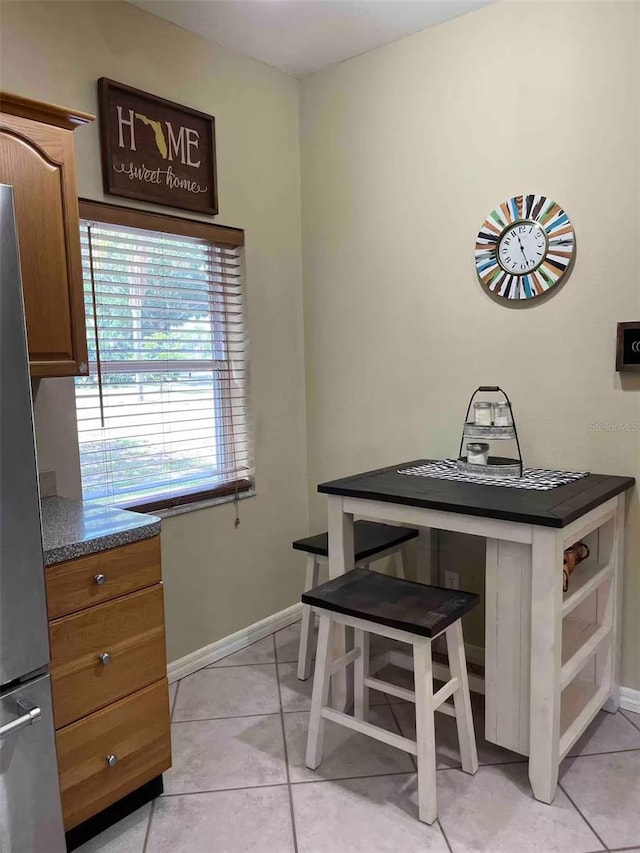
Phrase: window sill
(203, 504)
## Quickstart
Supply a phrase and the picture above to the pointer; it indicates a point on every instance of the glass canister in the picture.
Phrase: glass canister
(482, 414)
(478, 453)
(501, 414)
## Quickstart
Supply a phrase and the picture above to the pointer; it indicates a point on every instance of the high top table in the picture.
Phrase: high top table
(551, 658)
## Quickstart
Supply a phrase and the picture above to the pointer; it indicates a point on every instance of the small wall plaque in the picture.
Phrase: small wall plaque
(628, 347)
(156, 151)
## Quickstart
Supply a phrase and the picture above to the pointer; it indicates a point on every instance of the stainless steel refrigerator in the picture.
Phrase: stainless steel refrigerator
(30, 814)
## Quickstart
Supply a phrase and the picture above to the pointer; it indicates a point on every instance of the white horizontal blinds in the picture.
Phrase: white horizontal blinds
(163, 414)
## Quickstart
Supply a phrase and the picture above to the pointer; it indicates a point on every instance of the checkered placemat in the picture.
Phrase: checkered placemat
(538, 479)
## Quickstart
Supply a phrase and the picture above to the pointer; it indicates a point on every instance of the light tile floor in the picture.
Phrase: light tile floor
(238, 781)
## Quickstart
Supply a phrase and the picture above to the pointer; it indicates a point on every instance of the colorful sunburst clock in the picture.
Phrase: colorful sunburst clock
(525, 247)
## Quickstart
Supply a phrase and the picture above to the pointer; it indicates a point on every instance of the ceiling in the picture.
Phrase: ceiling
(302, 36)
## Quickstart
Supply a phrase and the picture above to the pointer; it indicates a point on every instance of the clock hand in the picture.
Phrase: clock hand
(522, 249)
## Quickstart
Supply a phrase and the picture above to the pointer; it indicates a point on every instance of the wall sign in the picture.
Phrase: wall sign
(157, 151)
(628, 347)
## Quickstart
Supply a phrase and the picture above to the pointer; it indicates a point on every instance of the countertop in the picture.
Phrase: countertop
(73, 529)
(554, 508)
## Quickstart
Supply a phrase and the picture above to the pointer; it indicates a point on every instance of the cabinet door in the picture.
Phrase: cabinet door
(38, 161)
(135, 733)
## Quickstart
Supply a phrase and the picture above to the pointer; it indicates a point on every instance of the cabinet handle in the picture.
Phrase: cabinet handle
(112, 760)
(105, 658)
(100, 579)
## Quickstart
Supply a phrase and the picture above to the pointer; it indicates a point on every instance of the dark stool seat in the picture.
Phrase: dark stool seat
(370, 538)
(407, 606)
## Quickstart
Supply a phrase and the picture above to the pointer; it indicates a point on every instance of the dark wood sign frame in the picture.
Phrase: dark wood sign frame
(621, 364)
(156, 164)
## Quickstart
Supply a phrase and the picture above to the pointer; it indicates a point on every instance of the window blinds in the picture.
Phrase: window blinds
(163, 416)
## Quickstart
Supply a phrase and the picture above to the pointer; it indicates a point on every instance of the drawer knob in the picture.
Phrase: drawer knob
(112, 760)
(100, 579)
(105, 658)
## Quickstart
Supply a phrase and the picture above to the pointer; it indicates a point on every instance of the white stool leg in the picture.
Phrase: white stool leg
(320, 695)
(462, 698)
(425, 731)
(306, 629)
(360, 672)
(400, 563)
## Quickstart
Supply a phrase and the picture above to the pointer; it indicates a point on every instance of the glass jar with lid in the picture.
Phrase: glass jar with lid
(501, 414)
(478, 453)
(483, 413)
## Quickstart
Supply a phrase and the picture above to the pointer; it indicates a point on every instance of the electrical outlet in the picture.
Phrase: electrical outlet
(451, 580)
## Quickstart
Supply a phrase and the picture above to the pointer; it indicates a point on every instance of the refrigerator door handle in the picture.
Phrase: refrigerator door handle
(30, 714)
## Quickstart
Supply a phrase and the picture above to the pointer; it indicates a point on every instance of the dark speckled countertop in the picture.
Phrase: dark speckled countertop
(73, 529)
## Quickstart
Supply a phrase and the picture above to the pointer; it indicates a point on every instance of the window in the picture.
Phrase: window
(163, 416)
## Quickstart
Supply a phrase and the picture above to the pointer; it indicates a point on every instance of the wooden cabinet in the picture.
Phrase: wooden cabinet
(114, 706)
(37, 159)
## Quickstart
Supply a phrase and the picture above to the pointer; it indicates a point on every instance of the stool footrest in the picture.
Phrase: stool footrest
(345, 660)
(443, 694)
(391, 689)
(369, 729)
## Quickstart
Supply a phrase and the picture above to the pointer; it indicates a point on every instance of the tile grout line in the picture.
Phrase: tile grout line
(636, 725)
(604, 752)
(217, 665)
(321, 779)
(234, 717)
(397, 722)
(597, 834)
(175, 699)
(286, 752)
(165, 796)
(444, 835)
(148, 831)
(283, 784)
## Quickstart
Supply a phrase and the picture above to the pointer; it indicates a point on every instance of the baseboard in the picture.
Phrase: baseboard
(233, 643)
(630, 699)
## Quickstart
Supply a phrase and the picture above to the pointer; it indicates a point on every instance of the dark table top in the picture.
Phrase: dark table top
(554, 508)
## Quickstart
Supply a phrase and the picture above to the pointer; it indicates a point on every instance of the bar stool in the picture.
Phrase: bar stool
(372, 541)
(373, 603)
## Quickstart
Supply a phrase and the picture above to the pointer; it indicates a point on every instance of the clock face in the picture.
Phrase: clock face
(525, 247)
(522, 247)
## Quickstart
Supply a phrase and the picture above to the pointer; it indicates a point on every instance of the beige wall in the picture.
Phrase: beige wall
(218, 579)
(404, 152)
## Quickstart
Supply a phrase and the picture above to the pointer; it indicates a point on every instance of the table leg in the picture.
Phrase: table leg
(427, 556)
(610, 611)
(507, 644)
(341, 560)
(546, 662)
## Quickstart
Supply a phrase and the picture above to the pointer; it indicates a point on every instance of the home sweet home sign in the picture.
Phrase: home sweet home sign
(156, 151)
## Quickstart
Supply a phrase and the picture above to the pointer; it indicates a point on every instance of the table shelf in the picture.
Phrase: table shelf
(587, 577)
(580, 640)
(581, 701)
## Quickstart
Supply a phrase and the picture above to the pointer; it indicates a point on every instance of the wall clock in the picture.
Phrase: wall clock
(525, 247)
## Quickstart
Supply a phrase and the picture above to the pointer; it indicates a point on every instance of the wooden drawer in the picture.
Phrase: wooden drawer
(136, 730)
(130, 630)
(72, 586)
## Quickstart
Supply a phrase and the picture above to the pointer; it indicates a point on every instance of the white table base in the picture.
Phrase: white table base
(524, 671)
